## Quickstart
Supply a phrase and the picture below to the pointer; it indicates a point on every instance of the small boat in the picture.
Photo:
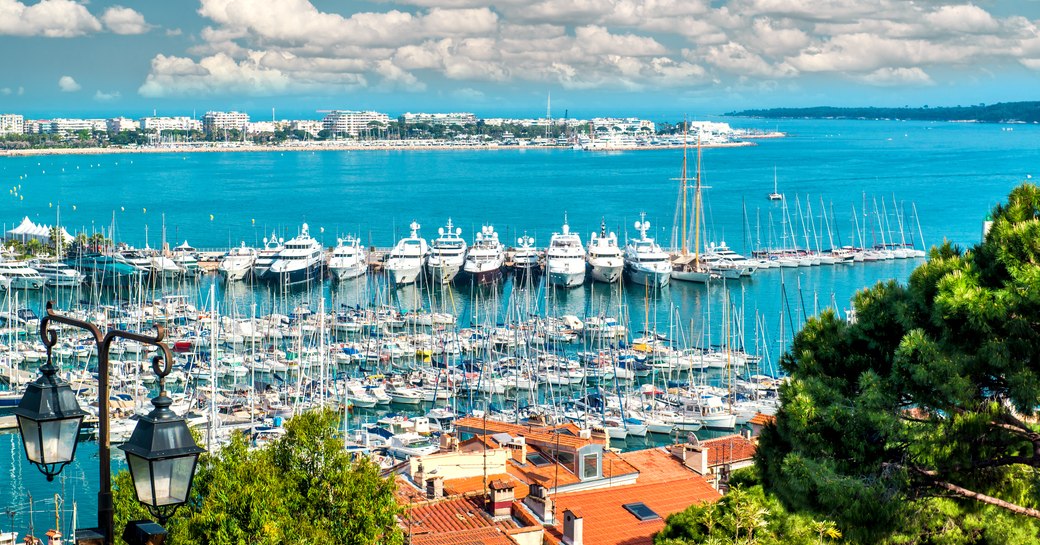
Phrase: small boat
(775, 195)
(406, 445)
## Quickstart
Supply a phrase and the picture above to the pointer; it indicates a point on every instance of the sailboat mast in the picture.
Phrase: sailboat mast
(682, 180)
(697, 207)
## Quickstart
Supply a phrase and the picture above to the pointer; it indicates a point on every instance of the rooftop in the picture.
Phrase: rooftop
(729, 449)
(657, 465)
(608, 522)
(451, 515)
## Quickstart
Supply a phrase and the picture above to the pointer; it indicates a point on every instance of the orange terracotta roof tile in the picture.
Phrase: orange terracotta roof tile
(407, 492)
(565, 435)
(606, 522)
(657, 465)
(729, 449)
(474, 485)
(477, 536)
(450, 515)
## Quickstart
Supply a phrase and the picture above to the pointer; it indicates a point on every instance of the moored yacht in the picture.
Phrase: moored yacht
(447, 254)
(237, 263)
(106, 270)
(21, 275)
(565, 259)
(729, 264)
(645, 262)
(525, 258)
(266, 256)
(58, 274)
(604, 257)
(484, 260)
(184, 257)
(349, 259)
(301, 260)
(405, 262)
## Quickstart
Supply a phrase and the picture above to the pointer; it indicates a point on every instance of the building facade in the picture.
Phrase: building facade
(220, 121)
(11, 124)
(351, 123)
(181, 123)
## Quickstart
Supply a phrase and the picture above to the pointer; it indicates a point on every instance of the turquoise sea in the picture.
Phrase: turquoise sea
(952, 172)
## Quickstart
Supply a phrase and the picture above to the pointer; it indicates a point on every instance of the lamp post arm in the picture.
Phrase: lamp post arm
(106, 513)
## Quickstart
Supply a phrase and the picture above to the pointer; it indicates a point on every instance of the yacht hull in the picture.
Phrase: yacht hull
(605, 273)
(485, 277)
(295, 276)
(566, 279)
(347, 273)
(404, 275)
(443, 273)
(653, 279)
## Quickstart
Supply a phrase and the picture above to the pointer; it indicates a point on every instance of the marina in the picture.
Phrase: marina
(404, 351)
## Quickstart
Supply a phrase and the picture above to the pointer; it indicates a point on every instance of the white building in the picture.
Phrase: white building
(120, 124)
(310, 126)
(218, 121)
(11, 124)
(619, 125)
(181, 123)
(347, 122)
(256, 127)
(69, 126)
(460, 118)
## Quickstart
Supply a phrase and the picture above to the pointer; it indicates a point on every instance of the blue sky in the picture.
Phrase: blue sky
(665, 57)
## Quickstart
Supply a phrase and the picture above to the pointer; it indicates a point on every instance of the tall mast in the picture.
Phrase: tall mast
(682, 181)
(697, 207)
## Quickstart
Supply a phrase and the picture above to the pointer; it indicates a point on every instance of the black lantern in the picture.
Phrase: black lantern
(49, 418)
(162, 456)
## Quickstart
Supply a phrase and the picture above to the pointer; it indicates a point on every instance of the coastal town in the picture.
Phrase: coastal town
(348, 129)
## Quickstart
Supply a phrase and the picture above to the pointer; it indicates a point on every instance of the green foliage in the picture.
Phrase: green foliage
(301, 489)
(890, 423)
(994, 113)
(745, 516)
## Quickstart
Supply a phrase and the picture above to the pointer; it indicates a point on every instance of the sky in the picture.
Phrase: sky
(592, 57)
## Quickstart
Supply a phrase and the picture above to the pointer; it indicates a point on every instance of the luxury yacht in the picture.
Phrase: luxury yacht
(106, 270)
(266, 256)
(184, 257)
(525, 258)
(645, 262)
(565, 259)
(447, 254)
(237, 263)
(349, 259)
(729, 264)
(301, 260)
(405, 262)
(604, 257)
(58, 274)
(484, 260)
(21, 275)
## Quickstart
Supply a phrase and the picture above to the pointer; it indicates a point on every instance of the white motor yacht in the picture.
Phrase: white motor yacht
(21, 275)
(349, 259)
(405, 262)
(184, 257)
(485, 259)
(447, 254)
(604, 257)
(565, 259)
(237, 263)
(266, 256)
(301, 260)
(645, 262)
(525, 258)
(728, 263)
(58, 274)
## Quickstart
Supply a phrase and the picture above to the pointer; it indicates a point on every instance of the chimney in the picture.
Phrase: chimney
(694, 457)
(449, 443)
(419, 477)
(501, 504)
(519, 449)
(572, 529)
(539, 502)
(435, 488)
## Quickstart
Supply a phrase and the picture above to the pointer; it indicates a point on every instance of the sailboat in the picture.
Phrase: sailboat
(685, 266)
(775, 195)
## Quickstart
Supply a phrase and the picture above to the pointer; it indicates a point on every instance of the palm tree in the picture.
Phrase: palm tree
(33, 246)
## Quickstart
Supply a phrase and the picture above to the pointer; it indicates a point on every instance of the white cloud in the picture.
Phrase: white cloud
(102, 96)
(892, 77)
(122, 20)
(257, 47)
(48, 18)
(68, 85)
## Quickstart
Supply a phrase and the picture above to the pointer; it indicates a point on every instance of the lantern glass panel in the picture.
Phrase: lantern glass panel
(142, 477)
(172, 477)
(61, 450)
(31, 435)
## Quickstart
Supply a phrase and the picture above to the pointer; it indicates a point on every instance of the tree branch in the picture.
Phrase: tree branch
(977, 496)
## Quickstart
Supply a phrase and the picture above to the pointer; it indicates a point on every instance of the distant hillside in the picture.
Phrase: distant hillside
(1005, 112)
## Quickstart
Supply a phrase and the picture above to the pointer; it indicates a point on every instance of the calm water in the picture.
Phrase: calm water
(954, 173)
